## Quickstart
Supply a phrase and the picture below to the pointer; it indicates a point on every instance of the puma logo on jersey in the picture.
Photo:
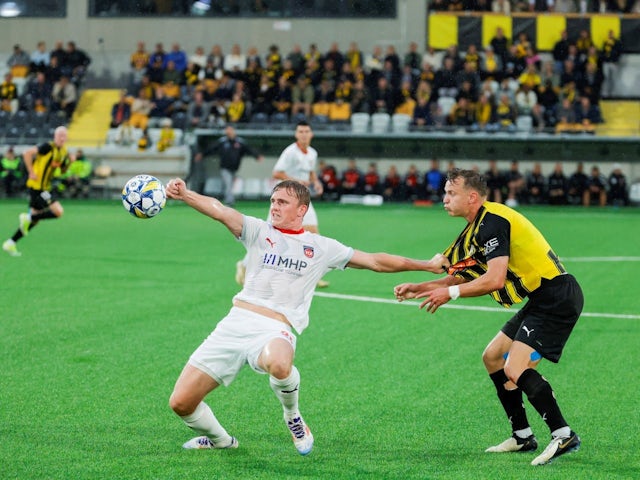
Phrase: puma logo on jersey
(527, 331)
(270, 242)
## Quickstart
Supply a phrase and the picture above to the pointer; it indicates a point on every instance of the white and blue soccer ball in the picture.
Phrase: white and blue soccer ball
(143, 196)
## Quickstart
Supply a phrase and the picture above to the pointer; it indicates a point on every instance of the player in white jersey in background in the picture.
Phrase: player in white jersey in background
(297, 162)
(284, 263)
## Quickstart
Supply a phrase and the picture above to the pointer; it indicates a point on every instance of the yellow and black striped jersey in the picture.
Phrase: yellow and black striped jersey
(499, 231)
(48, 158)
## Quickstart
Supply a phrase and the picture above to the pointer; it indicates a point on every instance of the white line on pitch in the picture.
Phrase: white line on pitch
(600, 259)
(413, 303)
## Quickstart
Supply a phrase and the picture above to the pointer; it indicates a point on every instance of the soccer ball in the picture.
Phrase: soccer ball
(143, 196)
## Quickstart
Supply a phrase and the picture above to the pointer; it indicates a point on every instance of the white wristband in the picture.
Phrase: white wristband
(454, 292)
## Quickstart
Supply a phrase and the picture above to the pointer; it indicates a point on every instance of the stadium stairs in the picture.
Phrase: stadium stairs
(90, 122)
(113, 164)
(622, 118)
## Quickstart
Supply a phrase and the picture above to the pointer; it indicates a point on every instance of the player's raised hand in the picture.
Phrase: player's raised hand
(441, 260)
(176, 189)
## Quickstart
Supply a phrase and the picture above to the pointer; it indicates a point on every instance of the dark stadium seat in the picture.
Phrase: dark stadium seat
(13, 135)
(31, 135)
(279, 118)
(57, 120)
(259, 117)
(38, 119)
(179, 120)
(320, 119)
(20, 118)
(298, 117)
(5, 118)
(26, 101)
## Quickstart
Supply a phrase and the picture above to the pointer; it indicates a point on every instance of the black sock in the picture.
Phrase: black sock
(17, 236)
(541, 396)
(44, 215)
(511, 401)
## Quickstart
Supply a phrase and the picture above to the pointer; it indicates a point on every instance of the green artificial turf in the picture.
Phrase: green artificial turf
(99, 315)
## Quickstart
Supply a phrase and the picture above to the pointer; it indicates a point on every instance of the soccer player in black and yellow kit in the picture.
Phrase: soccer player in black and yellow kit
(503, 254)
(41, 162)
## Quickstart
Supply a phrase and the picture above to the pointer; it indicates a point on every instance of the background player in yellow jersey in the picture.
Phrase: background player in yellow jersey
(501, 253)
(41, 162)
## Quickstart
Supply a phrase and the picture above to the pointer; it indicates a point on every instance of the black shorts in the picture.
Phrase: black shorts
(41, 199)
(548, 317)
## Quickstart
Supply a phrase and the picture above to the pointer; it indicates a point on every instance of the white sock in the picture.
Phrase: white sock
(524, 433)
(203, 421)
(563, 432)
(287, 391)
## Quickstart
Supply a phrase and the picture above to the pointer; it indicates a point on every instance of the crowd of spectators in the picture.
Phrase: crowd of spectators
(489, 89)
(481, 89)
(511, 186)
(41, 90)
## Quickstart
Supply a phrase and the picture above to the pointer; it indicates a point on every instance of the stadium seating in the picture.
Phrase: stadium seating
(31, 135)
(38, 119)
(446, 104)
(179, 120)
(320, 119)
(5, 118)
(380, 122)
(260, 118)
(400, 122)
(524, 123)
(20, 118)
(360, 122)
(279, 118)
(13, 135)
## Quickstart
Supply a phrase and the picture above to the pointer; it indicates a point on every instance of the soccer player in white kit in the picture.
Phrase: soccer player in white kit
(284, 263)
(297, 162)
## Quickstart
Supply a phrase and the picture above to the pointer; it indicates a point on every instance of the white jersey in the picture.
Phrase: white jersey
(283, 268)
(299, 164)
(296, 163)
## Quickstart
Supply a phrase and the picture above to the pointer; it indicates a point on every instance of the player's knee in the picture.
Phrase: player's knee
(512, 373)
(491, 357)
(181, 405)
(279, 369)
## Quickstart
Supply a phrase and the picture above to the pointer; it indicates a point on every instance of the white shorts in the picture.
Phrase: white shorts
(237, 340)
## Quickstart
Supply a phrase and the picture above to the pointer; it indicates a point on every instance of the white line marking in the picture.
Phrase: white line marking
(413, 303)
(600, 259)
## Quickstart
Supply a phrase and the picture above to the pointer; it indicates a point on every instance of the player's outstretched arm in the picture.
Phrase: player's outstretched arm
(27, 158)
(437, 295)
(177, 189)
(405, 291)
(387, 263)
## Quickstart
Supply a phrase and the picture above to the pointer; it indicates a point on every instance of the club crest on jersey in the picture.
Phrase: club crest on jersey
(308, 251)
